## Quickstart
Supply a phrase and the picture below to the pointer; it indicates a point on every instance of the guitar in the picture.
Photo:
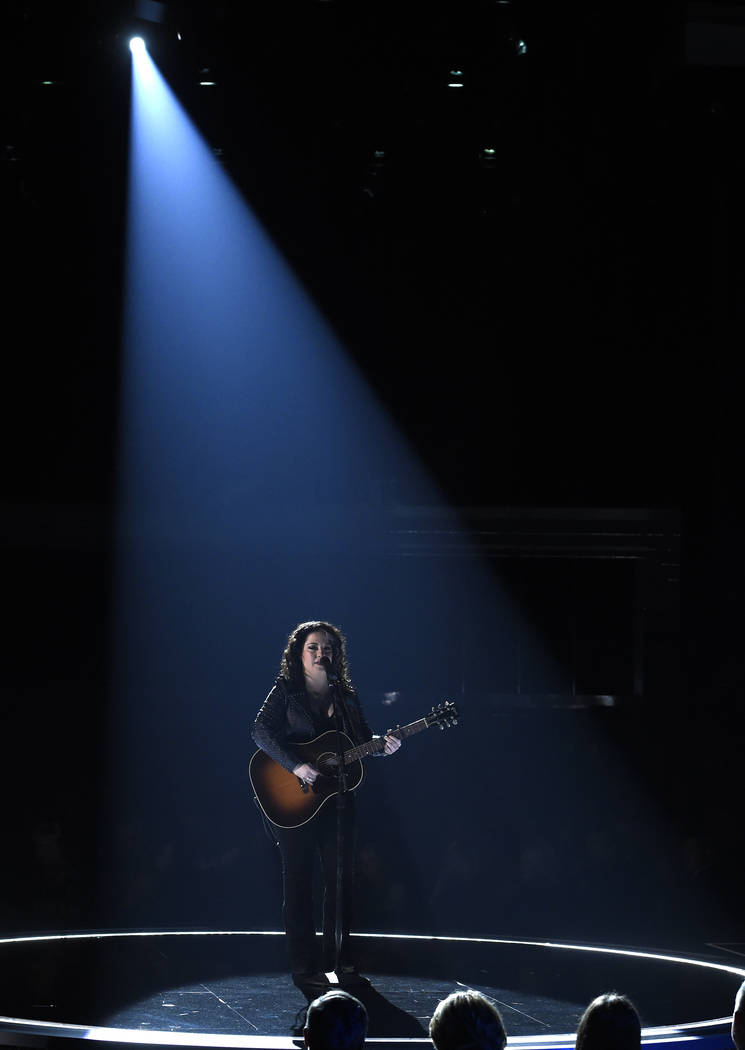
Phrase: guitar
(289, 803)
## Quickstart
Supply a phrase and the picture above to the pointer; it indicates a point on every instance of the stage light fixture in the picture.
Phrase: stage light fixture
(137, 45)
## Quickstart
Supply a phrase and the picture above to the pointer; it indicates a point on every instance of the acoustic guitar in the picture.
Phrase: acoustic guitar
(289, 803)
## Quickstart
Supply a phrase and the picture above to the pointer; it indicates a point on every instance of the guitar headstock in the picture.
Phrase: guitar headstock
(445, 714)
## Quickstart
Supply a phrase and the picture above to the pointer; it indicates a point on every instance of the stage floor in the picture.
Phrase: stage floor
(198, 988)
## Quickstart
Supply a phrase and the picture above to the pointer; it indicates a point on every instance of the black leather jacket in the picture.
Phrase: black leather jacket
(285, 718)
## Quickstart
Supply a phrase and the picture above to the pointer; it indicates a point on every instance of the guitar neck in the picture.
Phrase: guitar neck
(377, 744)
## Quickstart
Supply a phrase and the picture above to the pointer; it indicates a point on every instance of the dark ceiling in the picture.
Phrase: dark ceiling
(544, 258)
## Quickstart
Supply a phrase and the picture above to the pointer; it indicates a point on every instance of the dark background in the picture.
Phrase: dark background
(555, 326)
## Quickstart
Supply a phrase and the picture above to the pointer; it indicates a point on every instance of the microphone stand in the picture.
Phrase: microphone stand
(341, 799)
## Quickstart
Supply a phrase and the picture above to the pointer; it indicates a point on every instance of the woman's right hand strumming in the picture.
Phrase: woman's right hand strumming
(306, 772)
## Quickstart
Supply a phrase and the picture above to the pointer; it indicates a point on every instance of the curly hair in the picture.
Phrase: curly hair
(467, 1021)
(291, 667)
(610, 1022)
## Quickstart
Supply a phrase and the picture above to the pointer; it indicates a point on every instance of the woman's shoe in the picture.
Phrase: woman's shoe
(313, 981)
(350, 976)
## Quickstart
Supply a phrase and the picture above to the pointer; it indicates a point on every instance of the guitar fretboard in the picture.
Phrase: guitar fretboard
(377, 744)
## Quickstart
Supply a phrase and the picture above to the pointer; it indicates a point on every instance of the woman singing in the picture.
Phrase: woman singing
(302, 705)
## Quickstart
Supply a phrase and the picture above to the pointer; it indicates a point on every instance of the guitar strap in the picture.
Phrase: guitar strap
(350, 712)
(346, 715)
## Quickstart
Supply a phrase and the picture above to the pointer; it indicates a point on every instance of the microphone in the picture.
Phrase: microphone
(326, 665)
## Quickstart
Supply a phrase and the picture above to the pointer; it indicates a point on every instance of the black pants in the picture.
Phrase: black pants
(299, 848)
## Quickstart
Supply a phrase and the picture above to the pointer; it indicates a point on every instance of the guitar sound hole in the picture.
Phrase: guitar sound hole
(327, 764)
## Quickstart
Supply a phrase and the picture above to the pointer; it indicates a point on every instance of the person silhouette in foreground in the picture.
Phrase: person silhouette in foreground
(335, 1021)
(610, 1022)
(467, 1021)
(738, 1019)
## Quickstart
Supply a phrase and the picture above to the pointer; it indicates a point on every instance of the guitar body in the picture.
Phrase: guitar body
(280, 793)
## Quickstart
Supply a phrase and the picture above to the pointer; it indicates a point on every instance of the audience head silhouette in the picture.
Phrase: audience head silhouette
(610, 1022)
(467, 1021)
(335, 1021)
(738, 1019)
